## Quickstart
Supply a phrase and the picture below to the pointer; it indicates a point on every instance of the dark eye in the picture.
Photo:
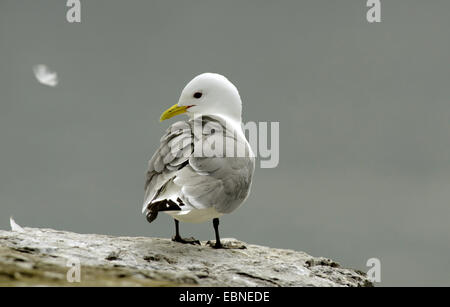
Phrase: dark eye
(198, 95)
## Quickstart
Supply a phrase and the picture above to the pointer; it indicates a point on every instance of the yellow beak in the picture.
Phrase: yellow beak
(173, 111)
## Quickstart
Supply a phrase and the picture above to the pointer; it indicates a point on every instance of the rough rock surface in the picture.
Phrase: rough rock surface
(33, 256)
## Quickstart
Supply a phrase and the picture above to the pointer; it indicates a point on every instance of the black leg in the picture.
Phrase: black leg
(178, 238)
(177, 229)
(216, 229)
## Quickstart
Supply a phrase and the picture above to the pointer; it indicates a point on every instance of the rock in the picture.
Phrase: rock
(38, 257)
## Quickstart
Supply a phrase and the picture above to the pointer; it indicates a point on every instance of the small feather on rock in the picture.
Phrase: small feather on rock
(15, 226)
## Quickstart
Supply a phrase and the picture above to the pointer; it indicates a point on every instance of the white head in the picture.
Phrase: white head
(208, 94)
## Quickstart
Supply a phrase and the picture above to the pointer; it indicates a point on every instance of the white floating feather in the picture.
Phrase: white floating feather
(45, 76)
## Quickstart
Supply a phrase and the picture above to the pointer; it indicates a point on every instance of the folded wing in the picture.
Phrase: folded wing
(189, 171)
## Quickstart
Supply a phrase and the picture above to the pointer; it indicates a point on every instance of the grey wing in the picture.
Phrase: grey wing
(223, 182)
(199, 182)
(220, 181)
(175, 148)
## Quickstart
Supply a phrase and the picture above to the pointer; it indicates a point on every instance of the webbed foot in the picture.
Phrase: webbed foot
(190, 240)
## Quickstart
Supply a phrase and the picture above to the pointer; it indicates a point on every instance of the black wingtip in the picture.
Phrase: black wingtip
(161, 205)
(151, 216)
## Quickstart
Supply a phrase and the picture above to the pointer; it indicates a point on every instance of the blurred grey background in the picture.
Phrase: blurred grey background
(363, 109)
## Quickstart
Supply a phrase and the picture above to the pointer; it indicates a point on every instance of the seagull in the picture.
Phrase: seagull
(204, 165)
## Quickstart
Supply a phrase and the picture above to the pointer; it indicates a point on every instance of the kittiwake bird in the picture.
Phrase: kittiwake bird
(204, 165)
